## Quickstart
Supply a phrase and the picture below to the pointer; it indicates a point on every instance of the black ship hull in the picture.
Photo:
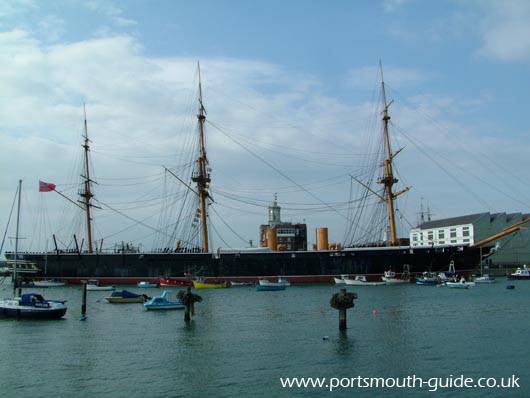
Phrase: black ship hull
(309, 266)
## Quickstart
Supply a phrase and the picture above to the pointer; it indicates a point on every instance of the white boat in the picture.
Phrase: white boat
(238, 283)
(29, 305)
(147, 285)
(281, 282)
(93, 284)
(520, 273)
(390, 277)
(341, 280)
(461, 284)
(485, 278)
(49, 283)
(32, 306)
(360, 280)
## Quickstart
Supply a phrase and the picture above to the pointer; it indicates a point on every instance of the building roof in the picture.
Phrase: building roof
(446, 222)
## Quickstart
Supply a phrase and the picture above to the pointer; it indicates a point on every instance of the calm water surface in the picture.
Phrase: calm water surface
(241, 342)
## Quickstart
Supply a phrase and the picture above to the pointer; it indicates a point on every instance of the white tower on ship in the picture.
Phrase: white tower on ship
(274, 213)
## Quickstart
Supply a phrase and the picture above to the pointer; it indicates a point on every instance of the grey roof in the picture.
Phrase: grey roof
(446, 222)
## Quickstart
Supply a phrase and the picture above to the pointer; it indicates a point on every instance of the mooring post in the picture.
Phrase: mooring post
(188, 299)
(342, 301)
(83, 303)
(188, 303)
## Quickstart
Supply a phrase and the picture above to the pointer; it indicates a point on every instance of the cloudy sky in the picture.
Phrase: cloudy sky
(290, 87)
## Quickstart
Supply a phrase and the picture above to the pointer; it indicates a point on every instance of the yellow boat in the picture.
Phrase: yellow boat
(210, 285)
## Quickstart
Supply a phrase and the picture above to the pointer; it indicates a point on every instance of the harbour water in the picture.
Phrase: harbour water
(243, 343)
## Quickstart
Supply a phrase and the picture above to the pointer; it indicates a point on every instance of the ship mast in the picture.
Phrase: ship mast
(86, 193)
(16, 239)
(202, 177)
(389, 180)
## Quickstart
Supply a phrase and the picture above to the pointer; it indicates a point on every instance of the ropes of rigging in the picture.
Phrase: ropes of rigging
(9, 220)
(276, 170)
(481, 158)
(229, 227)
(451, 175)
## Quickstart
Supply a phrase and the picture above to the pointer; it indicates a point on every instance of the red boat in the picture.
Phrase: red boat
(175, 281)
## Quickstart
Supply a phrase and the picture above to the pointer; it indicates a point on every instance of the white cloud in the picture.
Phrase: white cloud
(13, 7)
(140, 109)
(505, 31)
(52, 27)
(124, 21)
(110, 10)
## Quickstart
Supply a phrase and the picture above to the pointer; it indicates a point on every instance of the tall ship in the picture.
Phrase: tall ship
(193, 256)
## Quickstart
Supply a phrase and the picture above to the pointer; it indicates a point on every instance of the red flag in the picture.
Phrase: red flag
(46, 187)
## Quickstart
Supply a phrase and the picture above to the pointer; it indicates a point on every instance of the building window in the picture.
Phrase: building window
(441, 234)
(465, 231)
(452, 233)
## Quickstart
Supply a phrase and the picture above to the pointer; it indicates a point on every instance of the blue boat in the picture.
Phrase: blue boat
(125, 296)
(262, 288)
(428, 278)
(164, 302)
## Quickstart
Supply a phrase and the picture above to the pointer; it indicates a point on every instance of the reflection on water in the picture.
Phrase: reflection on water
(241, 342)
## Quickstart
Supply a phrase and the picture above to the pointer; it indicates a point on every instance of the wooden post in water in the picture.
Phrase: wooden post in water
(342, 301)
(83, 305)
(189, 299)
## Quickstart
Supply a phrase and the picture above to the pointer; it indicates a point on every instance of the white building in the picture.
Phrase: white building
(512, 250)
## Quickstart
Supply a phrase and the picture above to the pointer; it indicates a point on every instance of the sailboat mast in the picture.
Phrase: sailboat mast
(16, 239)
(86, 193)
(202, 178)
(388, 180)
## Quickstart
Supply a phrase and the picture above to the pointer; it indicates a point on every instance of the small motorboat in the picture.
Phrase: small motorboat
(49, 283)
(360, 280)
(147, 285)
(269, 288)
(125, 296)
(461, 284)
(32, 306)
(390, 278)
(93, 284)
(520, 273)
(164, 302)
(281, 282)
(485, 278)
(428, 279)
(341, 280)
(241, 283)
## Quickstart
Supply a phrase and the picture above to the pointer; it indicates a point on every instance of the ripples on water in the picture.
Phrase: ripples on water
(241, 342)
